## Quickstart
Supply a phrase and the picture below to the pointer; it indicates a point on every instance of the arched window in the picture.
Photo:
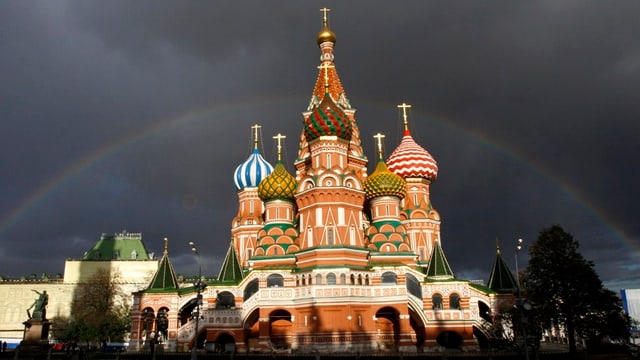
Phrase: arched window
(413, 286)
(454, 302)
(318, 279)
(275, 280)
(343, 279)
(331, 279)
(225, 300)
(353, 279)
(252, 288)
(162, 323)
(436, 300)
(389, 278)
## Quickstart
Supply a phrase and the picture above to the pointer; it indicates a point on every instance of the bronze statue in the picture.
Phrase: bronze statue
(39, 306)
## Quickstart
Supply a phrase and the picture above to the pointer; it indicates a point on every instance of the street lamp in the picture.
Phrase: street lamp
(520, 305)
(199, 285)
(518, 248)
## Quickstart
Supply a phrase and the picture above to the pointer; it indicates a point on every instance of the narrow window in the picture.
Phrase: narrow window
(454, 302)
(436, 300)
(331, 279)
(329, 236)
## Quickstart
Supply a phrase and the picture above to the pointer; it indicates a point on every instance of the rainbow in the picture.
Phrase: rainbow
(121, 143)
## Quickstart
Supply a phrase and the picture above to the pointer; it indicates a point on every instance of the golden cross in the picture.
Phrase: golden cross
(326, 66)
(379, 137)
(404, 108)
(325, 18)
(279, 137)
(166, 245)
(255, 129)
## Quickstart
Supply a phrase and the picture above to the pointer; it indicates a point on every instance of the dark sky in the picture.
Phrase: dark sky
(121, 115)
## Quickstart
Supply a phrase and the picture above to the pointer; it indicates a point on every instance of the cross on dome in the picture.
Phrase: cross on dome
(325, 18)
(379, 138)
(404, 108)
(326, 66)
(279, 137)
(255, 129)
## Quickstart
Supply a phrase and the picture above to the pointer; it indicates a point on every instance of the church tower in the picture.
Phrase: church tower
(248, 221)
(419, 169)
(330, 166)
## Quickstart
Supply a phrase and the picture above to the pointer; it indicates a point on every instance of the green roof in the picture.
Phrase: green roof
(165, 278)
(231, 272)
(501, 279)
(123, 246)
(439, 268)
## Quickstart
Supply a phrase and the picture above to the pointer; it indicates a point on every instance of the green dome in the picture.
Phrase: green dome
(278, 185)
(384, 183)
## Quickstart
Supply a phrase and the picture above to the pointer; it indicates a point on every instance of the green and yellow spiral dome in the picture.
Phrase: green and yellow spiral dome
(278, 185)
(384, 183)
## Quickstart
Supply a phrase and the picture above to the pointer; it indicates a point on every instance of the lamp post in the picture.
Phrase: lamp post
(520, 305)
(199, 285)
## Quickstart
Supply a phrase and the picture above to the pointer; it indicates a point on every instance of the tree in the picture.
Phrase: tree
(99, 310)
(565, 289)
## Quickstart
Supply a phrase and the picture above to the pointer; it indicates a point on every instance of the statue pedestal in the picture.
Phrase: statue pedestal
(36, 331)
(35, 342)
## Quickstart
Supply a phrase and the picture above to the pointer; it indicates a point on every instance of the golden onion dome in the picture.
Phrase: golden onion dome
(384, 183)
(326, 35)
(278, 185)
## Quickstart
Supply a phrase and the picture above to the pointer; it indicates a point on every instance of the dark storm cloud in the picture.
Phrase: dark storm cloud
(141, 111)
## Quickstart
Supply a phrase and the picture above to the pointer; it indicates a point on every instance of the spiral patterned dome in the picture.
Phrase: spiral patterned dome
(411, 160)
(252, 171)
(327, 119)
(278, 185)
(383, 182)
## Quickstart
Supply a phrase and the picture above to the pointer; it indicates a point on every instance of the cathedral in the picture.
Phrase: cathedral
(330, 258)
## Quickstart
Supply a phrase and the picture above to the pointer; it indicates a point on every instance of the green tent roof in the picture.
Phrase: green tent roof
(501, 279)
(231, 272)
(165, 278)
(438, 268)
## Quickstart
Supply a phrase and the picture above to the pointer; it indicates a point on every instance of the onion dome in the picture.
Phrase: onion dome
(278, 185)
(327, 119)
(410, 159)
(254, 169)
(326, 35)
(384, 183)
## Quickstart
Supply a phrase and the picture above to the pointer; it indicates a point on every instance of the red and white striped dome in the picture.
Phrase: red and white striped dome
(411, 160)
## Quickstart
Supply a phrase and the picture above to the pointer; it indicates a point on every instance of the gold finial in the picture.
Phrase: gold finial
(279, 137)
(497, 247)
(326, 66)
(166, 245)
(325, 18)
(379, 137)
(325, 34)
(255, 129)
(404, 108)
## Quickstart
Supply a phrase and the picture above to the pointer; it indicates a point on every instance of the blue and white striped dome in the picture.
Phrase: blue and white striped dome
(252, 171)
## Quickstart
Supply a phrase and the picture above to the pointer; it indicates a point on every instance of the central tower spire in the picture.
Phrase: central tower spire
(331, 165)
